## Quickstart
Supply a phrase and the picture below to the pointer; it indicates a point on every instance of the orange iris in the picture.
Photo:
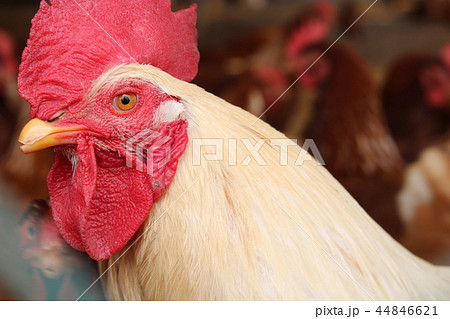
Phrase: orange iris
(125, 102)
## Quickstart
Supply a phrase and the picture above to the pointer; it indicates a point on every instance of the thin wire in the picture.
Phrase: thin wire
(143, 233)
(312, 238)
(282, 94)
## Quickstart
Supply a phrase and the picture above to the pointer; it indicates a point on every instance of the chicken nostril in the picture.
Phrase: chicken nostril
(58, 115)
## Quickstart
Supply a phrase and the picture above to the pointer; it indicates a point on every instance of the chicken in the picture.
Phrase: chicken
(349, 125)
(58, 271)
(424, 203)
(416, 98)
(171, 216)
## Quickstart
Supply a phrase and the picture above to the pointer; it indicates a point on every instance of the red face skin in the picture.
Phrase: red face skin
(435, 82)
(99, 204)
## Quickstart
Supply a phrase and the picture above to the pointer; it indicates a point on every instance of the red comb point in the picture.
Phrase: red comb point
(72, 42)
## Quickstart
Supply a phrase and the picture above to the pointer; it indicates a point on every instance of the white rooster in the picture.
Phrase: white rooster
(242, 226)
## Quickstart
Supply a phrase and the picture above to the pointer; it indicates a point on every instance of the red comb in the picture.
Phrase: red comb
(72, 42)
(309, 33)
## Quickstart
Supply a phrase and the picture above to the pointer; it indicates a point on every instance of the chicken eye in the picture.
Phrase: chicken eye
(125, 102)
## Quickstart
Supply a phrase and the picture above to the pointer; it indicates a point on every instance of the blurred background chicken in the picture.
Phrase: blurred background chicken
(416, 98)
(37, 262)
(348, 125)
(424, 204)
(58, 272)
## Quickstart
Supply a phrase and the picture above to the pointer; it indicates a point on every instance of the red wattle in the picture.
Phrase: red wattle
(100, 204)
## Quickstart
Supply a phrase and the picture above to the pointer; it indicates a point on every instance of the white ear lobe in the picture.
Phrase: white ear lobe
(169, 111)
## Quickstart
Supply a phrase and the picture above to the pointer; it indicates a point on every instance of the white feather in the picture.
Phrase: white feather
(169, 111)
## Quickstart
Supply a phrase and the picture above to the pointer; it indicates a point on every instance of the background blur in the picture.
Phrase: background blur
(243, 45)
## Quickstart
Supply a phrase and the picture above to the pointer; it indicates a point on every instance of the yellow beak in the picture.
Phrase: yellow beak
(37, 135)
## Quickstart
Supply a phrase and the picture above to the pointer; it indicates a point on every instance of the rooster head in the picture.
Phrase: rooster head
(102, 186)
(434, 80)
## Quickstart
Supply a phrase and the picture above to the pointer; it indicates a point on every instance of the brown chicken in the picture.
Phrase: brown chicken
(416, 98)
(58, 271)
(349, 125)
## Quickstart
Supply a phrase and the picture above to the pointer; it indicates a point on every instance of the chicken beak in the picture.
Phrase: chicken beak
(38, 135)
